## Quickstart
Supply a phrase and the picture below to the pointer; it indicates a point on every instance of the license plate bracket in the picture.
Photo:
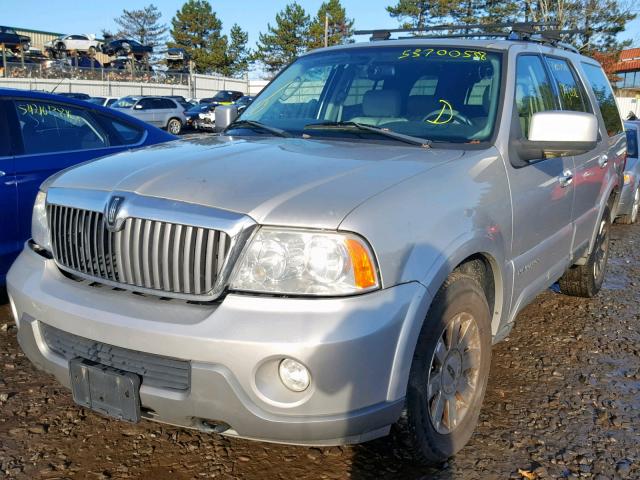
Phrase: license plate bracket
(106, 390)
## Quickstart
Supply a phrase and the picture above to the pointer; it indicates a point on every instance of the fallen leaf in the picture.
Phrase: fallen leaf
(527, 474)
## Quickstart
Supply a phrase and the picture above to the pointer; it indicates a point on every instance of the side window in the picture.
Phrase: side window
(604, 97)
(147, 104)
(572, 96)
(360, 86)
(424, 86)
(52, 127)
(533, 90)
(120, 132)
(166, 103)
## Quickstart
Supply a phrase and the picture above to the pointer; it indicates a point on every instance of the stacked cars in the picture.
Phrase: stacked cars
(79, 43)
(12, 40)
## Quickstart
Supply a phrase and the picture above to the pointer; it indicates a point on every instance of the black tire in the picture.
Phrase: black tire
(61, 47)
(586, 280)
(632, 216)
(460, 294)
(174, 126)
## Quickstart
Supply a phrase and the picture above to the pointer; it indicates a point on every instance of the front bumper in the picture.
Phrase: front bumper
(358, 350)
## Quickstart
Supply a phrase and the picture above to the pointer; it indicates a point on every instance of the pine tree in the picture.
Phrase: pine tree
(284, 42)
(340, 27)
(142, 25)
(420, 13)
(238, 54)
(197, 29)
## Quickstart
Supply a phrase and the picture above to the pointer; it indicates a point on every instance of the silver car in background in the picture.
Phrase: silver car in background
(162, 112)
(630, 197)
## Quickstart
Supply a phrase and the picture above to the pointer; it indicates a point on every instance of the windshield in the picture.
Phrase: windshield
(125, 102)
(443, 94)
(8, 30)
(96, 100)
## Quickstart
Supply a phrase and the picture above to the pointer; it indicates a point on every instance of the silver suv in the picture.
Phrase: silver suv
(162, 112)
(342, 258)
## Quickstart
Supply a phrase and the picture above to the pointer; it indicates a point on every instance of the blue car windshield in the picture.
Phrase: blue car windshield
(440, 93)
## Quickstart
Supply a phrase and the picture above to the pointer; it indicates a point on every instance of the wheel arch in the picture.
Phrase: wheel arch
(482, 264)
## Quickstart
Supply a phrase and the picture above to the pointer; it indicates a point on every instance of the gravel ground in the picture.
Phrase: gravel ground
(562, 402)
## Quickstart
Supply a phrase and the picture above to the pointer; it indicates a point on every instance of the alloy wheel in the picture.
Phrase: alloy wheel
(453, 374)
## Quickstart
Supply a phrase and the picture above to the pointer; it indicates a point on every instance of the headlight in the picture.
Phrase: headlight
(39, 224)
(305, 262)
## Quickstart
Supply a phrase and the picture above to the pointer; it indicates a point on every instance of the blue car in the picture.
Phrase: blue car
(41, 134)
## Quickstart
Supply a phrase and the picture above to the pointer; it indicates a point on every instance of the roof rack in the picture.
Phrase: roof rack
(519, 31)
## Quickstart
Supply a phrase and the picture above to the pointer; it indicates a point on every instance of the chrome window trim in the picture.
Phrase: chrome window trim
(238, 227)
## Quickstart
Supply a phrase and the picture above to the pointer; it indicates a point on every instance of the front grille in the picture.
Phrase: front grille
(155, 370)
(147, 254)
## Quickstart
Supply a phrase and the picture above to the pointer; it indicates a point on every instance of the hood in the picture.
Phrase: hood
(276, 181)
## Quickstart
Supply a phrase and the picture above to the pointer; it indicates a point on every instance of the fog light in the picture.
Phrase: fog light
(294, 375)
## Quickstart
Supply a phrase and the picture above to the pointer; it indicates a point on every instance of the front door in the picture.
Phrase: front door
(542, 192)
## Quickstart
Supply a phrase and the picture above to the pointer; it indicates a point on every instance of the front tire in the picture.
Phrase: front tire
(174, 126)
(586, 280)
(449, 372)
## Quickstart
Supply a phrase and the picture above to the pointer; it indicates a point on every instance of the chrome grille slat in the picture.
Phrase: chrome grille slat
(155, 255)
(148, 255)
(208, 262)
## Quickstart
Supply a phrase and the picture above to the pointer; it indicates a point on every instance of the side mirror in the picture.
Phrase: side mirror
(225, 116)
(559, 133)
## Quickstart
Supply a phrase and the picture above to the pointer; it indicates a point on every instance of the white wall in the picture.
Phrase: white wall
(256, 86)
(628, 104)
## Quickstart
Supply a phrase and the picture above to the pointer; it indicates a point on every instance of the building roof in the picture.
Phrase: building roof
(29, 30)
(629, 60)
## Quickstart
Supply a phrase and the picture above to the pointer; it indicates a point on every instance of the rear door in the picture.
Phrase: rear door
(9, 241)
(166, 108)
(54, 136)
(591, 167)
(542, 198)
(614, 139)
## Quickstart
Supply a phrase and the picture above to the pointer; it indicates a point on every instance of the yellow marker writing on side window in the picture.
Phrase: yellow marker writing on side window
(445, 110)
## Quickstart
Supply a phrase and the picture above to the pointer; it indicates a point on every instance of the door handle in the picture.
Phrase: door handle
(603, 160)
(566, 178)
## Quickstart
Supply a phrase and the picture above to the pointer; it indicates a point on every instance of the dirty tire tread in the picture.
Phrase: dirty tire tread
(412, 430)
(578, 280)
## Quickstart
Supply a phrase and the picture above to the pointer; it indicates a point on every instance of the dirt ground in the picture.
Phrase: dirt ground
(562, 402)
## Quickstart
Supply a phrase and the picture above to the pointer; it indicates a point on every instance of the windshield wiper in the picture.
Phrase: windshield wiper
(252, 123)
(422, 142)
